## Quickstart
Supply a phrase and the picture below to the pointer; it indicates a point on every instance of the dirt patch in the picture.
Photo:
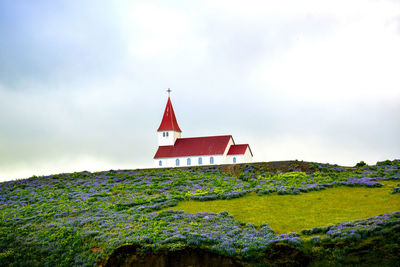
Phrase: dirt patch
(285, 255)
(135, 255)
(286, 166)
(131, 255)
(274, 166)
(232, 169)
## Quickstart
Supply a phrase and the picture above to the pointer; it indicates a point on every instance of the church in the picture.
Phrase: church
(175, 151)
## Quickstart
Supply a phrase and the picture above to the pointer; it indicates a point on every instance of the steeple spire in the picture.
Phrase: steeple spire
(169, 122)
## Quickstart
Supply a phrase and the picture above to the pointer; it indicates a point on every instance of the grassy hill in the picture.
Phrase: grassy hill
(282, 213)
(293, 213)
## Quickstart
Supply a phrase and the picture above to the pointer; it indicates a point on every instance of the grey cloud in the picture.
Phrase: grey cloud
(78, 91)
(57, 41)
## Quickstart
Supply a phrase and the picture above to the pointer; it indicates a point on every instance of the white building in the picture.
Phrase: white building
(175, 151)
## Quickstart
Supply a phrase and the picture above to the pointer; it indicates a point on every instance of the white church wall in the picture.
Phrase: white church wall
(156, 163)
(167, 140)
(220, 159)
(247, 156)
(224, 157)
(241, 158)
(194, 161)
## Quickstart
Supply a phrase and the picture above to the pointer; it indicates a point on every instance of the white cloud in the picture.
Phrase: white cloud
(312, 80)
(76, 163)
(310, 148)
(360, 58)
(155, 31)
(256, 9)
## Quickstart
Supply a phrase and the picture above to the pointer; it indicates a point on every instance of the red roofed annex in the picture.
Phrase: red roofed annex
(175, 151)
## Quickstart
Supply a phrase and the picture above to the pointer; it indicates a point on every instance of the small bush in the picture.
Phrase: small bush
(361, 164)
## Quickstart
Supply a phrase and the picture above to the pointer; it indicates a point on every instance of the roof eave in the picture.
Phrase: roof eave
(208, 155)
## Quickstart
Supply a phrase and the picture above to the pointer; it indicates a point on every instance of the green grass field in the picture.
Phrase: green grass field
(292, 213)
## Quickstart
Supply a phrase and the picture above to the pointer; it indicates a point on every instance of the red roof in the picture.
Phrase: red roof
(238, 149)
(169, 122)
(195, 146)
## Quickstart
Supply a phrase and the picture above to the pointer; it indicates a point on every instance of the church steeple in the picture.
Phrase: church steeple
(169, 130)
(169, 122)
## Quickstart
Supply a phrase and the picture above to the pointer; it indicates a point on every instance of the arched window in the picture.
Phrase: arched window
(188, 161)
(167, 134)
(211, 160)
(163, 134)
(177, 162)
(160, 163)
(234, 159)
(200, 161)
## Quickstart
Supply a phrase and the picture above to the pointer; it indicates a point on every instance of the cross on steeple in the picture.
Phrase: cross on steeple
(169, 91)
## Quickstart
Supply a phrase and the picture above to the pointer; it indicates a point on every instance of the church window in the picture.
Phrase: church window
(188, 161)
(211, 160)
(200, 161)
(163, 134)
(177, 162)
(166, 134)
(160, 163)
(234, 159)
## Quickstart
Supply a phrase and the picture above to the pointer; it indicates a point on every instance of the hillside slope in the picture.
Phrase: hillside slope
(110, 218)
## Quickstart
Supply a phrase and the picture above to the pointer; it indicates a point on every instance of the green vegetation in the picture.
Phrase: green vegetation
(292, 213)
(83, 218)
(361, 164)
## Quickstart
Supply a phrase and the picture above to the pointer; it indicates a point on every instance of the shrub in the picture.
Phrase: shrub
(361, 164)
(315, 240)
(396, 189)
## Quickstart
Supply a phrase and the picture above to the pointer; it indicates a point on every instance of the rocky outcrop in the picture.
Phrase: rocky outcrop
(135, 255)
(131, 255)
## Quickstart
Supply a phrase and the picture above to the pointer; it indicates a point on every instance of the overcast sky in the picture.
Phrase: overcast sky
(83, 83)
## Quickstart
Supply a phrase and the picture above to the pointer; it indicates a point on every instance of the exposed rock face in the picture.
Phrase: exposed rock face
(134, 255)
(285, 255)
(273, 166)
(131, 255)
